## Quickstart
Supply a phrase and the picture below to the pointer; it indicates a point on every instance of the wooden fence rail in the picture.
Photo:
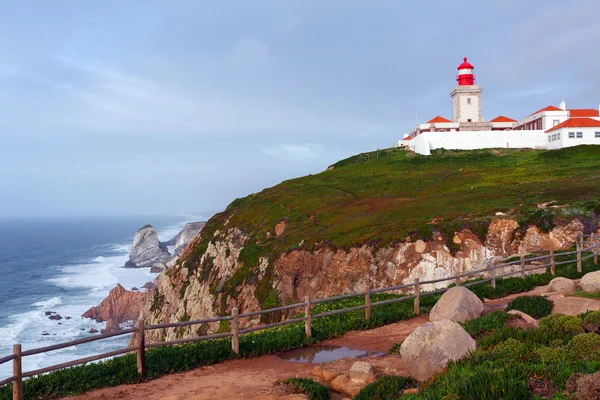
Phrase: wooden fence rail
(519, 267)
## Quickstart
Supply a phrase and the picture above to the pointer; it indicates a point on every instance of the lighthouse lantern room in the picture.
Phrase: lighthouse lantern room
(466, 98)
(465, 75)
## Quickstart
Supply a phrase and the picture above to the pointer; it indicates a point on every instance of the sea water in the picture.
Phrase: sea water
(66, 265)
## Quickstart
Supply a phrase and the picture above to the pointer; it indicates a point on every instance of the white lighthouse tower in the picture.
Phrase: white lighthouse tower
(466, 97)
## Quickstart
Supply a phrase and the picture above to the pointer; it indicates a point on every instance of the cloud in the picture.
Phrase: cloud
(294, 152)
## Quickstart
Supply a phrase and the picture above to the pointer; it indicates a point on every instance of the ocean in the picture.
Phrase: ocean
(66, 265)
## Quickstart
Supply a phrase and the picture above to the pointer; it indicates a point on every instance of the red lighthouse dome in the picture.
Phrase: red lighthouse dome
(465, 75)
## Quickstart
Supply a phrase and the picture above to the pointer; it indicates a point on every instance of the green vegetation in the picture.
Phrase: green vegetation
(386, 388)
(583, 293)
(535, 306)
(512, 363)
(314, 390)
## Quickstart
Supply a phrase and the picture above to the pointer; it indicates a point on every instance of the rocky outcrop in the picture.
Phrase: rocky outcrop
(212, 283)
(111, 326)
(590, 282)
(528, 320)
(146, 249)
(121, 305)
(426, 351)
(187, 234)
(562, 286)
(458, 304)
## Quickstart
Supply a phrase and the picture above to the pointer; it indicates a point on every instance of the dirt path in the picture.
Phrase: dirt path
(253, 378)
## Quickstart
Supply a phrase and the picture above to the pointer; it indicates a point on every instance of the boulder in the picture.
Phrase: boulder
(120, 305)
(362, 372)
(458, 304)
(561, 285)
(93, 330)
(55, 317)
(428, 349)
(590, 282)
(574, 305)
(343, 385)
(527, 319)
(146, 249)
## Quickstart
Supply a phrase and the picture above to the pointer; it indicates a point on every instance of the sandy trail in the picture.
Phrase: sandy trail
(253, 378)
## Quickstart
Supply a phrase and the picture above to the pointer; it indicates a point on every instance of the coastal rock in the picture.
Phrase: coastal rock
(158, 268)
(561, 285)
(146, 249)
(55, 317)
(111, 326)
(121, 305)
(426, 351)
(458, 304)
(187, 234)
(149, 286)
(93, 330)
(590, 282)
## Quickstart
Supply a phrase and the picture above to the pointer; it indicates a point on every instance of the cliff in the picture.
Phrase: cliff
(183, 238)
(378, 220)
(121, 305)
(147, 250)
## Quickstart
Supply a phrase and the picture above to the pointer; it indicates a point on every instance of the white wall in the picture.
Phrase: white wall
(424, 143)
(589, 137)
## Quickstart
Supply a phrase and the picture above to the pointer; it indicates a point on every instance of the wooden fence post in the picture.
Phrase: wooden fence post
(235, 329)
(522, 266)
(17, 385)
(579, 259)
(493, 277)
(368, 303)
(308, 325)
(457, 279)
(552, 263)
(417, 296)
(595, 243)
(141, 351)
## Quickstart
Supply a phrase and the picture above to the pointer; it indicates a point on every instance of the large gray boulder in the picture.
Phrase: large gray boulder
(428, 349)
(458, 304)
(562, 286)
(146, 249)
(590, 282)
(187, 234)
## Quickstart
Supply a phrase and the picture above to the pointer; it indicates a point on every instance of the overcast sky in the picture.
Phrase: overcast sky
(133, 107)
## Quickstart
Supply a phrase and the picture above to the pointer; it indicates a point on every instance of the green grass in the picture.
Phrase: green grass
(383, 200)
(386, 388)
(583, 293)
(312, 389)
(534, 306)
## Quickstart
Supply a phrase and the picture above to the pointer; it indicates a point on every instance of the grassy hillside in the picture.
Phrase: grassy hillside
(398, 195)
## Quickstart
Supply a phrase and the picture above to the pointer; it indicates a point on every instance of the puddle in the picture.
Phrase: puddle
(322, 354)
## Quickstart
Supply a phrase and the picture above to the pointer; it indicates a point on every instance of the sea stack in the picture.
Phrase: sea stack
(147, 250)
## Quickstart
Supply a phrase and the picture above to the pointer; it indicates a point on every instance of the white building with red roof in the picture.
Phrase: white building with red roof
(548, 128)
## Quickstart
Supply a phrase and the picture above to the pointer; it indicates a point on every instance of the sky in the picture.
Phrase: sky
(160, 107)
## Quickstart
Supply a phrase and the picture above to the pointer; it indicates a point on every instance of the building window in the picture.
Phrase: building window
(571, 135)
(469, 120)
(555, 122)
(558, 136)
(597, 135)
(549, 138)
(553, 137)
(468, 100)
(579, 135)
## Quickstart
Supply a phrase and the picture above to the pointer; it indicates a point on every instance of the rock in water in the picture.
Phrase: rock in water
(147, 250)
(111, 326)
(183, 238)
(458, 304)
(121, 305)
(426, 351)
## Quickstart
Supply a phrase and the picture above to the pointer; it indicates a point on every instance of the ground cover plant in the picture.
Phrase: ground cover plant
(386, 388)
(514, 363)
(535, 306)
(313, 390)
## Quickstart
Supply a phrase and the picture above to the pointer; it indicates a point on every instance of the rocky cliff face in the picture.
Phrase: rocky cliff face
(220, 281)
(183, 238)
(121, 305)
(147, 250)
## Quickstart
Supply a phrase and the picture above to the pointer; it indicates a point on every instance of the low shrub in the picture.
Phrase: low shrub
(534, 306)
(585, 346)
(551, 355)
(386, 388)
(562, 324)
(395, 348)
(510, 349)
(591, 322)
(314, 390)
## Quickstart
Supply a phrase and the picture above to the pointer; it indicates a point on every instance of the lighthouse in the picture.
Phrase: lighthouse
(466, 97)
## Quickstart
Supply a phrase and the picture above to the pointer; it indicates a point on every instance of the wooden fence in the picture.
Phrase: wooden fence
(516, 267)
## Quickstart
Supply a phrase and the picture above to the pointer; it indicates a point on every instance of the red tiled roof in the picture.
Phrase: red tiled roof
(577, 123)
(549, 108)
(502, 118)
(437, 119)
(583, 112)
